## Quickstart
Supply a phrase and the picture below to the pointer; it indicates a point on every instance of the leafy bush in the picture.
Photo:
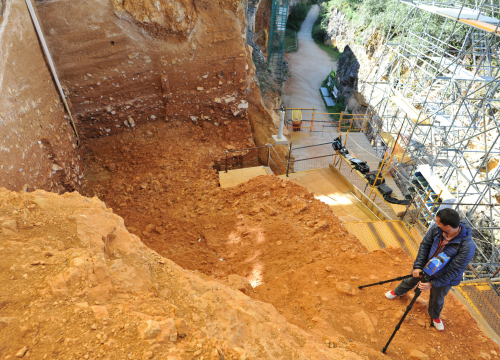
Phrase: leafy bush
(298, 14)
(381, 13)
(318, 32)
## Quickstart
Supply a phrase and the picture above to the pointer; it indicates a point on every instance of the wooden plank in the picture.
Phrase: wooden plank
(409, 109)
(481, 25)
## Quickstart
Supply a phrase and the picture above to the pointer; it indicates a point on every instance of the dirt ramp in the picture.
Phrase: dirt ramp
(80, 286)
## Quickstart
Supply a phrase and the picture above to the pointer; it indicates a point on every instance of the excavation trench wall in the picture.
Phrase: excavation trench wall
(126, 63)
(37, 143)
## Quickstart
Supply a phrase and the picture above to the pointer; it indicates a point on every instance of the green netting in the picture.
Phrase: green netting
(277, 38)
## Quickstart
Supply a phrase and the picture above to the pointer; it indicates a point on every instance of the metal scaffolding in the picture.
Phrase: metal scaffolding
(279, 17)
(435, 89)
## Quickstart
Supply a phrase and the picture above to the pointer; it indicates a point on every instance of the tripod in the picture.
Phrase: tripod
(424, 279)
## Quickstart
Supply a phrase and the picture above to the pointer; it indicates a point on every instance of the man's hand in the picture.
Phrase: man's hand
(424, 286)
(416, 272)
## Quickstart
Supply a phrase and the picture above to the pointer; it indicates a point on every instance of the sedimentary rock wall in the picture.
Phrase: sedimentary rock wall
(125, 63)
(36, 139)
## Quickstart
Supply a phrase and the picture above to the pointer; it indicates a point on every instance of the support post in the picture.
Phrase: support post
(227, 154)
(280, 139)
(312, 122)
(336, 152)
(268, 154)
(289, 155)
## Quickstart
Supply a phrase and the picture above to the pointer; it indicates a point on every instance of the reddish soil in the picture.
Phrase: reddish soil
(312, 298)
(273, 233)
(173, 203)
(36, 138)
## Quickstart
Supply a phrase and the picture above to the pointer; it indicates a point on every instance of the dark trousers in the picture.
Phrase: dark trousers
(437, 295)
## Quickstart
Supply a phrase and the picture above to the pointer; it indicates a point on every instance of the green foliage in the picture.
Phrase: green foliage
(298, 14)
(290, 41)
(318, 32)
(380, 14)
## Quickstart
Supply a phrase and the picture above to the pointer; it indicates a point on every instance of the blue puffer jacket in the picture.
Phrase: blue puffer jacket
(460, 250)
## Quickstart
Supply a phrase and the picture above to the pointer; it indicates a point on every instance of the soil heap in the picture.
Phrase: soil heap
(80, 286)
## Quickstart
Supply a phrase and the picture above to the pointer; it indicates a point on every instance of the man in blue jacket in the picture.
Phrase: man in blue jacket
(453, 237)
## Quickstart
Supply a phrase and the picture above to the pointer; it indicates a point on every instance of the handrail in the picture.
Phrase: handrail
(303, 147)
(252, 148)
(282, 163)
(316, 157)
(269, 158)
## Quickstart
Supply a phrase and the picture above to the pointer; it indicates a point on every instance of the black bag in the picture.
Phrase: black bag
(392, 200)
(384, 189)
(362, 168)
(343, 151)
(337, 144)
(357, 161)
(371, 179)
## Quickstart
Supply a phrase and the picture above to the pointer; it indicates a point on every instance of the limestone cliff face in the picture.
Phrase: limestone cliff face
(361, 49)
(127, 62)
(37, 143)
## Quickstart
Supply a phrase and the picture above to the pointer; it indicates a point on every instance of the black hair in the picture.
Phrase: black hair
(449, 217)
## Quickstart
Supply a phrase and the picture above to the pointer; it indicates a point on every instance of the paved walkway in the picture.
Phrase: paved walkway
(309, 66)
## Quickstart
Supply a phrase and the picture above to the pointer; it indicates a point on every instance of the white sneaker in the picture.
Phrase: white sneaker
(438, 324)
(391, 295)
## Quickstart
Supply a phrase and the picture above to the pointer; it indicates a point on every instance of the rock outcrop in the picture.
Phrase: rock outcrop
(126, 63)
(361, 49)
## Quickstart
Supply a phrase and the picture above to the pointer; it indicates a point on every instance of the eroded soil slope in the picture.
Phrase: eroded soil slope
(168, 194)
(271, 233)
(78, 285)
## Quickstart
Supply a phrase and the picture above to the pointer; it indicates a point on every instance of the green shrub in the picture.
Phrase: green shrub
(298, 14)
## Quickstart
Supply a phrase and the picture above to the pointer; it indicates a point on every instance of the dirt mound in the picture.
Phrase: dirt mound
(77, 284)
(323, 299)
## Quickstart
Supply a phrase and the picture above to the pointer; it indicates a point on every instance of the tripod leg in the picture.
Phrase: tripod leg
(386, 281)
(408, 308)
(431, 308)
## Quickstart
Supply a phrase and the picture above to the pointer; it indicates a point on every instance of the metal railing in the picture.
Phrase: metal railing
(313, 162)
(312, 121)
(270, 150)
